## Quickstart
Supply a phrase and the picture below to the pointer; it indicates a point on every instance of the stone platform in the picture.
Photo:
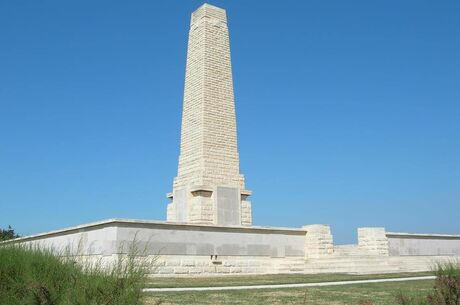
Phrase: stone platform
(192, 249)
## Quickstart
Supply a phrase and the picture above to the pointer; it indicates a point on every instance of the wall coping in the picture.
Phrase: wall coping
(121, 222)
(422, 235)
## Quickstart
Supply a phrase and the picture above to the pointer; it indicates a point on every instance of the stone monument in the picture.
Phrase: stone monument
(209, 229)
(209, 188)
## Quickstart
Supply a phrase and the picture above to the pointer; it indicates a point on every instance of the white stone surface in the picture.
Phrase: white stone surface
(318, 241)
(406, 244)
(186, 249)
(208, 151)
(373, 240)
(114, 236)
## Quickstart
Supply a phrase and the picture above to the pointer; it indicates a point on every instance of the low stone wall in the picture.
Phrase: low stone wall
(406, 244)
(178, 248)
(154, 237)
(191, 249)
(205, 240)
(96, 239)
(204, 265)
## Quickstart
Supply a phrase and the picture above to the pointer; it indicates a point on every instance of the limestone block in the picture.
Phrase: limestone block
(188, 263)
(229, 263)
(373, 240)
(261, 270)
(171, 212)
(223, 270)
(249, 270)
(246, 213)
(254, 263)
(242, 263)
(203, 263)
(172, 263)
(235, 270)
(158, 263)
(181, 270)
(195, 270)
(201, 209)
(318, 241)
(209, 269)
(165, 270)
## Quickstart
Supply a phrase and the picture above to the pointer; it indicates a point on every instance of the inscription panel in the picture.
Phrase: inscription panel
(228, 206)
(180, 200)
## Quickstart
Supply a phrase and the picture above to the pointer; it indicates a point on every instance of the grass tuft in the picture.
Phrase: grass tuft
(33, 276)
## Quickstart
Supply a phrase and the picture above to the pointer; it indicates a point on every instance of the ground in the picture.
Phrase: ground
(375, 294)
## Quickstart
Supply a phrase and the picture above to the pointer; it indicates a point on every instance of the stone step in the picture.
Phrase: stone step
(354, 270)
(342, 260)
(354, 264)
(348, 266)
(348, 258)
(359, 253)
(350, 250)
(293, 265)
(347, 249)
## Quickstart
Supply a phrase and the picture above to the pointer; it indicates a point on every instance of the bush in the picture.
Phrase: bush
(33, 276)
(6, 234)
(446, 290)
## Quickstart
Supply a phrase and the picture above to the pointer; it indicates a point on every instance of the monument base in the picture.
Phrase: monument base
(192, 249)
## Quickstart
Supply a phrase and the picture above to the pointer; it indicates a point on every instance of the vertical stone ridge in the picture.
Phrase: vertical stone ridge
(209, 158)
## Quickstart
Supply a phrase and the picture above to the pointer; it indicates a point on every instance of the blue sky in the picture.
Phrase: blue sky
(348, 111)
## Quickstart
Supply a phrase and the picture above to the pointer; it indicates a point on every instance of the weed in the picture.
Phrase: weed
(33, 276)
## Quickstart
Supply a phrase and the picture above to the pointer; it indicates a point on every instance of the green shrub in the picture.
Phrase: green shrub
(446, 290)
(6, 234)
(32, 276)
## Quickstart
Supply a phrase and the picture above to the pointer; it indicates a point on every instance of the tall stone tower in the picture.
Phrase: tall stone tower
(209, 188)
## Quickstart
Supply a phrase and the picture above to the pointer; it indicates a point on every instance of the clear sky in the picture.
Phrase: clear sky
(348, 111)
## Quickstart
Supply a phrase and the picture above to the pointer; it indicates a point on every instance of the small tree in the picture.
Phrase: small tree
(8, 233)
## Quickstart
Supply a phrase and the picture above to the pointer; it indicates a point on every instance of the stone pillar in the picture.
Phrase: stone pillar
(373, 241)
(246, 212)
(209, 187)
(318, 241)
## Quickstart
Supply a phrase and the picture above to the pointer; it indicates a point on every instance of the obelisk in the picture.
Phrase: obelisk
(209, 188)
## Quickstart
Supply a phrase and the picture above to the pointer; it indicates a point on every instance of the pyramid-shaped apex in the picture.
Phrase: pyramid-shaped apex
(210, 11)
